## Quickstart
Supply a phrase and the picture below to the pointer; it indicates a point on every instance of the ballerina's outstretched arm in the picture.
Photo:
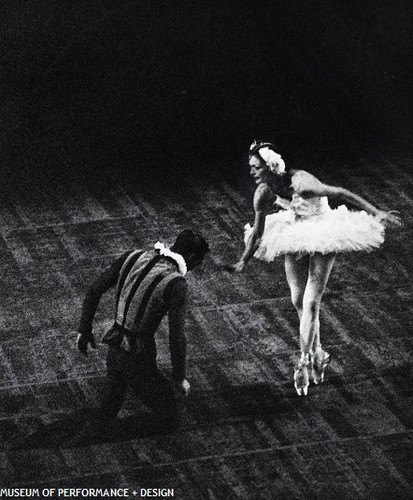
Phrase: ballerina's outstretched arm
(306, 184)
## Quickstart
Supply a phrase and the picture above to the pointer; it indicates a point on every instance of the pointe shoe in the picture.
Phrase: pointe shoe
(301, 379)
(320, 360)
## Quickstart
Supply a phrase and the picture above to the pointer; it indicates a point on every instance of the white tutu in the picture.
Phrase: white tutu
(335, 231)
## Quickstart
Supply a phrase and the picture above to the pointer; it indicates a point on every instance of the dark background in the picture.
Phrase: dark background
(150, 86)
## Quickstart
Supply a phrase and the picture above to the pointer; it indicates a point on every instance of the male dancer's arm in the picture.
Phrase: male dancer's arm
(102, 284)
(177, 339)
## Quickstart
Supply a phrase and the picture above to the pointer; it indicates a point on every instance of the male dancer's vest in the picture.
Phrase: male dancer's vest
(141, 298)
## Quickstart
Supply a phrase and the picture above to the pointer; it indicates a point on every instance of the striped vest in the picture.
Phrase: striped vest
(140, 299)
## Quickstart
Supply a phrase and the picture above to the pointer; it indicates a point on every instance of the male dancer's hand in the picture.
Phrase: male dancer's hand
(82, 342)
(183, 387)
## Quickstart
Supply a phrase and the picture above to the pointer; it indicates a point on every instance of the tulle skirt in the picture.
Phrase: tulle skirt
(335, 231)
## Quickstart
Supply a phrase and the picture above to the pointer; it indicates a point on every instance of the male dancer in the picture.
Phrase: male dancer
(150, 284)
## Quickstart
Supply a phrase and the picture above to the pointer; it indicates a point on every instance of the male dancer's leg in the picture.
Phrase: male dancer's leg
(156, 391)
(118, 369)
(116, 384)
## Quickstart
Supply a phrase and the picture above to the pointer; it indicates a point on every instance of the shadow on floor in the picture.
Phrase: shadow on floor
(201, 408)
(250, 402)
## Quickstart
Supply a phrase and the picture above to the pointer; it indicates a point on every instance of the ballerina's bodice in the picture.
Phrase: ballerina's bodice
(309, 207)
(303, 206)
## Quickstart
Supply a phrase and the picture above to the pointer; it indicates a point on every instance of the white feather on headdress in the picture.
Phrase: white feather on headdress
(272, 159)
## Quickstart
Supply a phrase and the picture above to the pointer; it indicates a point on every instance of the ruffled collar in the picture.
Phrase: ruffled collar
(163, 250)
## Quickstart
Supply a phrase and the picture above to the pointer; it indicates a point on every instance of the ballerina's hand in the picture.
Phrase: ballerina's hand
(222, 265)
(230, 268)
(238, 267)
(390, 218)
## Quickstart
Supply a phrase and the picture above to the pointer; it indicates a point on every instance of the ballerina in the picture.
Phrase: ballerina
(309, 234)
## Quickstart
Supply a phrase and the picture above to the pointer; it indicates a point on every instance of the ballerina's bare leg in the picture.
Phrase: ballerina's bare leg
(307, 278)
(296, 271)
